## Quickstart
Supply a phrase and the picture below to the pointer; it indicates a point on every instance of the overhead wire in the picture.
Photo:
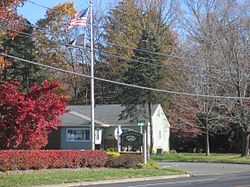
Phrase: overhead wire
(122, 83)
(39, 5)
(151, 52)
(24, 34)
(178, 69)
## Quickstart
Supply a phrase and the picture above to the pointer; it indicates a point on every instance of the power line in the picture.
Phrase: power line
(137, 49)
(159, 65)
(147, 51)
(98, 51)
(39, 5)
(142, 50)
(24, 34)
(124, 84)
(177, 68)
(128, 59)
(171, 56)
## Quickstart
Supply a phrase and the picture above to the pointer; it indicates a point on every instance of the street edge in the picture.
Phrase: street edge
(118, 181)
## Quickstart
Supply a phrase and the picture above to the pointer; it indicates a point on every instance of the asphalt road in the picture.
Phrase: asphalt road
(204, 175)
(227, 180)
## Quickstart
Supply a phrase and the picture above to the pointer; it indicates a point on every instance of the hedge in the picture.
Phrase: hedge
(125, 161)
(39, 159)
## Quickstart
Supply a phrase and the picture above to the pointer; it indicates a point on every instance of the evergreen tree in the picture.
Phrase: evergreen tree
(22, 46)
(156, 38)
(138, 101)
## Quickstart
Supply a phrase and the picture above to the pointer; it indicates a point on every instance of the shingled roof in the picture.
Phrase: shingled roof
(104, 115)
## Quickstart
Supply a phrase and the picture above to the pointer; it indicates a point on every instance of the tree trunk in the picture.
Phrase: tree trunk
(245, 144)
(207, 139)
(151, 128)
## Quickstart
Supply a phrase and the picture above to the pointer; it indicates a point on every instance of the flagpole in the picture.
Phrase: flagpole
(92, 80)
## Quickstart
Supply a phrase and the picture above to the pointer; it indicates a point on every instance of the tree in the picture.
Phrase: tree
(23, 47)
(122, 32)
(148, 75)
(9, 18)
(217, 40)
(235, 51)
(4, 64)
(26, 118)
(9, 21)
(133, 28)
(52, 46)
(136, 100)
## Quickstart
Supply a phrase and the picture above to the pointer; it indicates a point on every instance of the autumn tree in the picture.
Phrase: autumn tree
(9, 19)
(121, 32)
(26, 118)
(9, 22)
(53, 47)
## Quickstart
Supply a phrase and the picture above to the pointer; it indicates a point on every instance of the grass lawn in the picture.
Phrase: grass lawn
(194, 157)
(44, 177)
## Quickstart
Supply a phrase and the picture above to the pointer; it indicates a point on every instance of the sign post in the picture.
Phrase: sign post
(145, 146)
(141, 124)
(132, 138)
(117, 134)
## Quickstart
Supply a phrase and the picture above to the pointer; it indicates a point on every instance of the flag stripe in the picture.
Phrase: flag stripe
(80, 19)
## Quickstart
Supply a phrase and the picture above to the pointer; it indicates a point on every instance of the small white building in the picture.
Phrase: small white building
(75, 130)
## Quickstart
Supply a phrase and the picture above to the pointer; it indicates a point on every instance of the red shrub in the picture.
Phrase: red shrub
(38, 159)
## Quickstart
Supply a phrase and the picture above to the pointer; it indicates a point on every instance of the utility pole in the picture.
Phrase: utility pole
(92, 79)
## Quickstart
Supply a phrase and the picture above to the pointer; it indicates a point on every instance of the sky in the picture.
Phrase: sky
(33, 12)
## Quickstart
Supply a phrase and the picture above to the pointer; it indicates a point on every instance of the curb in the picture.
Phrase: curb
(118, 181)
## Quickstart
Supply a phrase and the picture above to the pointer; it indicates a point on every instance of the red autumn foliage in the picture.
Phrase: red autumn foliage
(26, 118)
(4, 63)
(41, 159)
(9, 17)
(183, 117)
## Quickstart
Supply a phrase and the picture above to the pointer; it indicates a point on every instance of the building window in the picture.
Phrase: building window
(159, 134)
(78, 135)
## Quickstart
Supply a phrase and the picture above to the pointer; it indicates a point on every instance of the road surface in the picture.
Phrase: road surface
(204, 175)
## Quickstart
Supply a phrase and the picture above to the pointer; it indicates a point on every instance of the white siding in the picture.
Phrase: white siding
(160, 128)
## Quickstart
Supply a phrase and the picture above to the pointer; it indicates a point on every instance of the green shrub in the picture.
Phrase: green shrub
(113, 154)
(111, 149)
(125, 161)
(150, 165)
(173, 151)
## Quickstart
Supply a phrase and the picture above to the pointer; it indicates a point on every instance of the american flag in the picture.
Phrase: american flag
(80, 19)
